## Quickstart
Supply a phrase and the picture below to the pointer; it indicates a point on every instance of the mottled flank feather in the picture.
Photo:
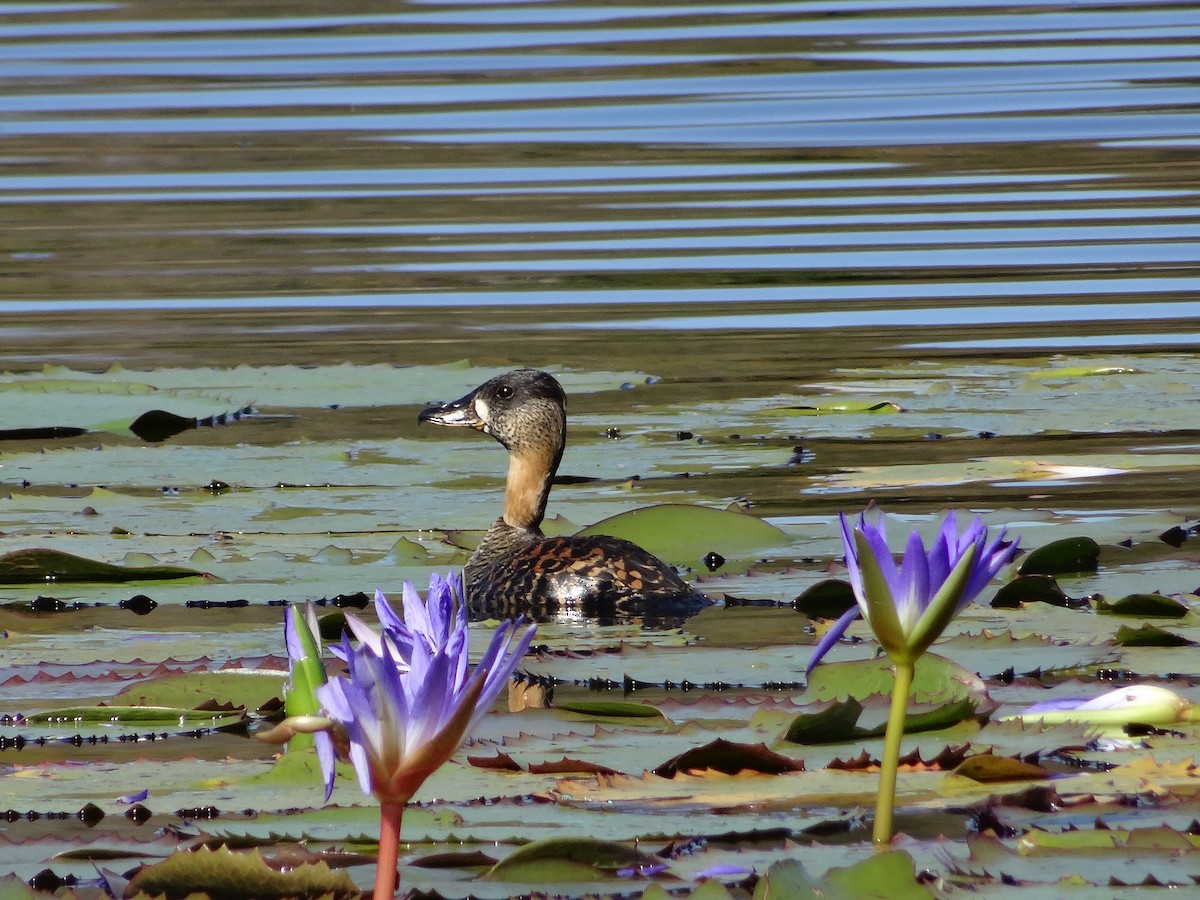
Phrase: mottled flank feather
(600, 577)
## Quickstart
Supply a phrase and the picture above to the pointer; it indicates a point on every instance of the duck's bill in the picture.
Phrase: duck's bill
(459, 414)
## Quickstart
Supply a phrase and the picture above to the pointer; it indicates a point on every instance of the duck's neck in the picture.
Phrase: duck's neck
(530, 473)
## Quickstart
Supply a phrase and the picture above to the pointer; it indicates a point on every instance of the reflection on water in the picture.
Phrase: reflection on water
(776, 166)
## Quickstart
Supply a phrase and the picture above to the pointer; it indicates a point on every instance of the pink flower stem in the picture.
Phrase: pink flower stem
(389, 850)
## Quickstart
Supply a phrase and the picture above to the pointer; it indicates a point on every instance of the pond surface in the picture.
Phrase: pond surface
(787, 258)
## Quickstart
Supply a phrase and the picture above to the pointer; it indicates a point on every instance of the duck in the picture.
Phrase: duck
(517, 569)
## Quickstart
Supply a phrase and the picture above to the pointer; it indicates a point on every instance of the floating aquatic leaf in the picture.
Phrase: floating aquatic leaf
(937, 680)
(883, 876)
(1030, 589)
(989, 769)
(1153, 605)
(157, 717)
(224, 873)
(684, 534)
(569, 859)
(838, 723)
(729, 757)
(842, 407)
(835, 724)
(1068, 555)
(40, 565)
(1148, 635)
(1080, 372)
(250, 690)
(826, 599)
(610, 709)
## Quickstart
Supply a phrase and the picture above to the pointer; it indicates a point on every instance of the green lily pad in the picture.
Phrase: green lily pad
(1150, 636)
(249, 690)
(1069, 555)
(39, 565)
(883, 876)
(1080, 372)
(567, 858)
(610, 709)
(157, 717)
(224, 873)
(685, 534)
(838, 723)
(1155, 605)
(843, 407)
(936, 680)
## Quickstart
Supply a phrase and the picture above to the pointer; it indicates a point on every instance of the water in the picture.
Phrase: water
(708, 219)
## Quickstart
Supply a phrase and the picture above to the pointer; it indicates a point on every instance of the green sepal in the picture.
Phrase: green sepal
(943, 607)
(308, 673)
(881, 605)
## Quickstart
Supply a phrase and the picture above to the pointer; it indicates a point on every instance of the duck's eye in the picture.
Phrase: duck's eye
(504, 392)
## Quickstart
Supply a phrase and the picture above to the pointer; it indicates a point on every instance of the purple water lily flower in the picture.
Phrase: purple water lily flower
(410, 696)
(407, 703)
(908, 607)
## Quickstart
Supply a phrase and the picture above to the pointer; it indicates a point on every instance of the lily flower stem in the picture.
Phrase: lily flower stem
(885, 802)
(389, 850)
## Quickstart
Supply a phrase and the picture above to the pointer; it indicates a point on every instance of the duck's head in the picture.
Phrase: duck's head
(525, 410)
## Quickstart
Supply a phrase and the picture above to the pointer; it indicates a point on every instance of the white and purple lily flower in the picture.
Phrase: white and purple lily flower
(908, 607)
(1147, 704)
(410, 696)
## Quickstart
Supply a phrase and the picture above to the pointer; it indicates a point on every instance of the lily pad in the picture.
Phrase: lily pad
(610, 709)
(1152, 605)
(1068, 555)
(569, 858)
(936, 680)
(41, 565)
(841, 407)
(249, 690)
(224, 873)
(1150, 636)
(826, 600)
(1030, 589)
(685, 534)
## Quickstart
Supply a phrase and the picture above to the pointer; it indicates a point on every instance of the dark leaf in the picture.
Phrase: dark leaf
(38, 565)
(826, 600)
(834, 724)
(1029, 589)
(1073, 554)
(473, 860)
(1150, 636)
(158, 425)
(50, 432)
(1154, 605)
(580, 858)
(567, 766)
(501, 762)
(730, 757)
(988, 768)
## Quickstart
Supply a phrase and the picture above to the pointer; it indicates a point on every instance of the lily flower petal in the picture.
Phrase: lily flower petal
(410, 695)
(909, 607)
